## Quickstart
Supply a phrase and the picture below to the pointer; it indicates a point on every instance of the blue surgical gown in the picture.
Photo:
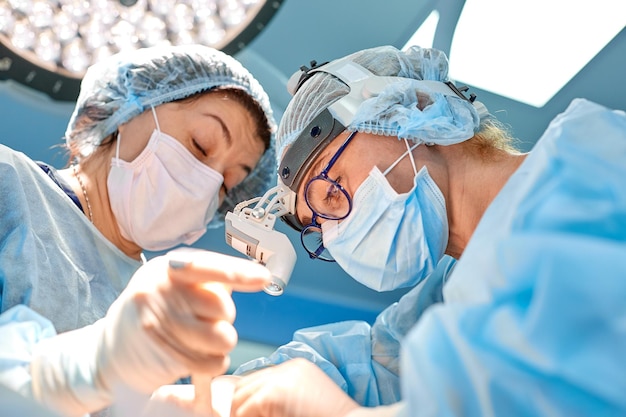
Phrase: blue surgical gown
(57, 272)
(534, 319)
(546, 293)
(363, 359)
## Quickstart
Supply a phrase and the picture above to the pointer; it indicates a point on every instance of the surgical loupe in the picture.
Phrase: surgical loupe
(250, 230)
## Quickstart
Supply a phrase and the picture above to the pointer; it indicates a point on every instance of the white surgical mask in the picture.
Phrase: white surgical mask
(390, 240)
(165, 196)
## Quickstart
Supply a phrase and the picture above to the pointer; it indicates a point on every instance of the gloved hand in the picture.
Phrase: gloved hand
(182, 400)
(296, 388)
(174, 318)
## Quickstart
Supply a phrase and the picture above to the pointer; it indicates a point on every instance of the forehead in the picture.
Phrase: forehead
(229, 114)
(318, 162)
(221, 105)
(297, 158)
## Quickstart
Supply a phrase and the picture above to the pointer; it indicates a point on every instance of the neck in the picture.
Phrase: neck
(470, 183)
(93, 175)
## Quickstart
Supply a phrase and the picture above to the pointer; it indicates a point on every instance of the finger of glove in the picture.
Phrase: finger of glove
(271, 392)
(215, 338)
(199, 266)
(209, 301)
(166, 401)
(222, 389)
(177, 325)
(180, 394)
(253, 393)
(253, 400)
(193, 360)
(242, 403)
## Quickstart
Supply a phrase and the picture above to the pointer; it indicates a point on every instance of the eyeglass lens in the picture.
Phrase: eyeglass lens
(311, 237)
(327, 198)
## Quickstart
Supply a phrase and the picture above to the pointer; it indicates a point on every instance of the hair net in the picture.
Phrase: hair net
(405, 109)
(123, 86)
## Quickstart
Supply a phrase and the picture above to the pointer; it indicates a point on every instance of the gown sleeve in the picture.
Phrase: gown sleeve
(534, 322)
(21, 329)
(363, 359)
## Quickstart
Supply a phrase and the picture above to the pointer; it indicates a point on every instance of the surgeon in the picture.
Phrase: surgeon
(393, 169)
(162, 142)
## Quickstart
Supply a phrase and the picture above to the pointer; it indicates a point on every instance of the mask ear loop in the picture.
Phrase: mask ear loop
(409, 151)
(117, 148)
(156, 120)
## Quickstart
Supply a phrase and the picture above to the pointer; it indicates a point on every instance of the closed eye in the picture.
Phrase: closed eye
(199, 148)
(333, 191)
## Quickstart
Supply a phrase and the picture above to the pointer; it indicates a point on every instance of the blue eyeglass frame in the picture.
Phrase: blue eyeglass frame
(324, 176)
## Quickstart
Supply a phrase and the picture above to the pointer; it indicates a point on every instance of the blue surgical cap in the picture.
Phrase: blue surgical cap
(117, 89)
(406, 109)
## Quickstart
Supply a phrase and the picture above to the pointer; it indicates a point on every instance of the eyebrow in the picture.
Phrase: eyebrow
(227, 135)
(229, 139)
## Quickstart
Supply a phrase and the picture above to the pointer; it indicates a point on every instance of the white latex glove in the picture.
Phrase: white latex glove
(181, 400)
(296, 388)
(380, 411)
(174, 318)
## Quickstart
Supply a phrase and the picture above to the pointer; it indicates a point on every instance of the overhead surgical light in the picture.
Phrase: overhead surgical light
(528, 51)
(48, 44)
(424, 36)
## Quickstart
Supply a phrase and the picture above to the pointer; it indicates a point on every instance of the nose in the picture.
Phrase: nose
(217, 165)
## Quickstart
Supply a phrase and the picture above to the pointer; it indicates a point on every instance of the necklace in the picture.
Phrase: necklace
(82, 187)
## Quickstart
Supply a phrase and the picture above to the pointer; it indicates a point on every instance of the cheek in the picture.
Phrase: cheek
(133, 142)
(301, 206)
(233, 179)
(302, 209)
(253, 159)
(353, 182)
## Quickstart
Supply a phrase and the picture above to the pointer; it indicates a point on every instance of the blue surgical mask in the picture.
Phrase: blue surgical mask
(390, 240)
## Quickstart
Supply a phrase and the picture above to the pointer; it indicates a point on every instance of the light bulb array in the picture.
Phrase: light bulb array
(66, 36)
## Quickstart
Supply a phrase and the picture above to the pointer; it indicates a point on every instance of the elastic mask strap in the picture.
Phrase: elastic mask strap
(117, 148)
(156, 121)
(409, 152)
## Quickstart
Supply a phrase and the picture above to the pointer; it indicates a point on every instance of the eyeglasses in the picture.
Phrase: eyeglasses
(327, 199)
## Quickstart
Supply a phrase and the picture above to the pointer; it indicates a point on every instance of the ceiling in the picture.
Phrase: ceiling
(322, 30)
(326, 29)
